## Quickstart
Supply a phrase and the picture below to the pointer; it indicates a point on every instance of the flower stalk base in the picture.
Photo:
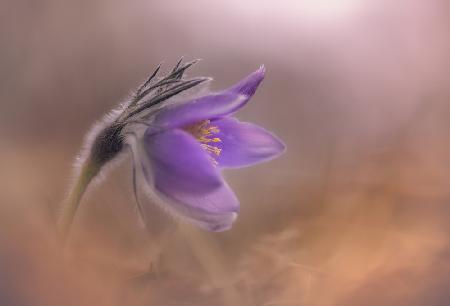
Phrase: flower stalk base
(88, 171)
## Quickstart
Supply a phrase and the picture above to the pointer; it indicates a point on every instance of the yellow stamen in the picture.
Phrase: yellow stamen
(211, 149)
(205, 133)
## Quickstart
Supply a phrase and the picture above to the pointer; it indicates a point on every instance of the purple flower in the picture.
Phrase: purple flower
(189, 143)
(180, 143)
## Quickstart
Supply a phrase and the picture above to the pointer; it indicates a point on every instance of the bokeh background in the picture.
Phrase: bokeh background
(357, 212)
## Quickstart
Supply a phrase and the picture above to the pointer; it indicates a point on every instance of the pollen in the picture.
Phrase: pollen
(205, 133)
(211, 149)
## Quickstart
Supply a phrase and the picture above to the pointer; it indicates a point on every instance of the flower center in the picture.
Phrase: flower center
(205, 133)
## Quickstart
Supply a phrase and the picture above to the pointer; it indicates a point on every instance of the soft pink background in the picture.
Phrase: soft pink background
(355, 213)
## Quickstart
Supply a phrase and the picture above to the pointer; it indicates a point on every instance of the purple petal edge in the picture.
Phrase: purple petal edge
(211, 106)
(215, 211)
(249, 84)
(244, 144)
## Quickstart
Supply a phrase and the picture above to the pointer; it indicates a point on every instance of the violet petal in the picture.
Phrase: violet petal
(211, 106)
(179, 164)
(214, 211)
(248, 85)
(184, 176)
(244, 144)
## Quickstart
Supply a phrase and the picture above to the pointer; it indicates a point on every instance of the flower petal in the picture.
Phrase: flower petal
(180, 164)
(214, 211)
(244, 144)
(249, 84)
(184, 177)
(206, 107)
(211, 106)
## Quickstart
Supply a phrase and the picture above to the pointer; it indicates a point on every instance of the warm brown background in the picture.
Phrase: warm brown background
(355, 213)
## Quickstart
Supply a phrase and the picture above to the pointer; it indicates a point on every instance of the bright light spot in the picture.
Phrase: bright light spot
(327, 8)
(304, 10)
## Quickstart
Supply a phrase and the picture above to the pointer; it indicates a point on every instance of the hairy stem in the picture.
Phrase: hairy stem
(88, 171)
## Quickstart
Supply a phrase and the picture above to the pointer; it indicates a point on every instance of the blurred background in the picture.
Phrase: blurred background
(355, 213)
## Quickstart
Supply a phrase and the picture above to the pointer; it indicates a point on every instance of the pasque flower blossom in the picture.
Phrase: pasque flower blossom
(180, 142)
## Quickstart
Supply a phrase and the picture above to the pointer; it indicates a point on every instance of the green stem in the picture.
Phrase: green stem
(88, 171)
